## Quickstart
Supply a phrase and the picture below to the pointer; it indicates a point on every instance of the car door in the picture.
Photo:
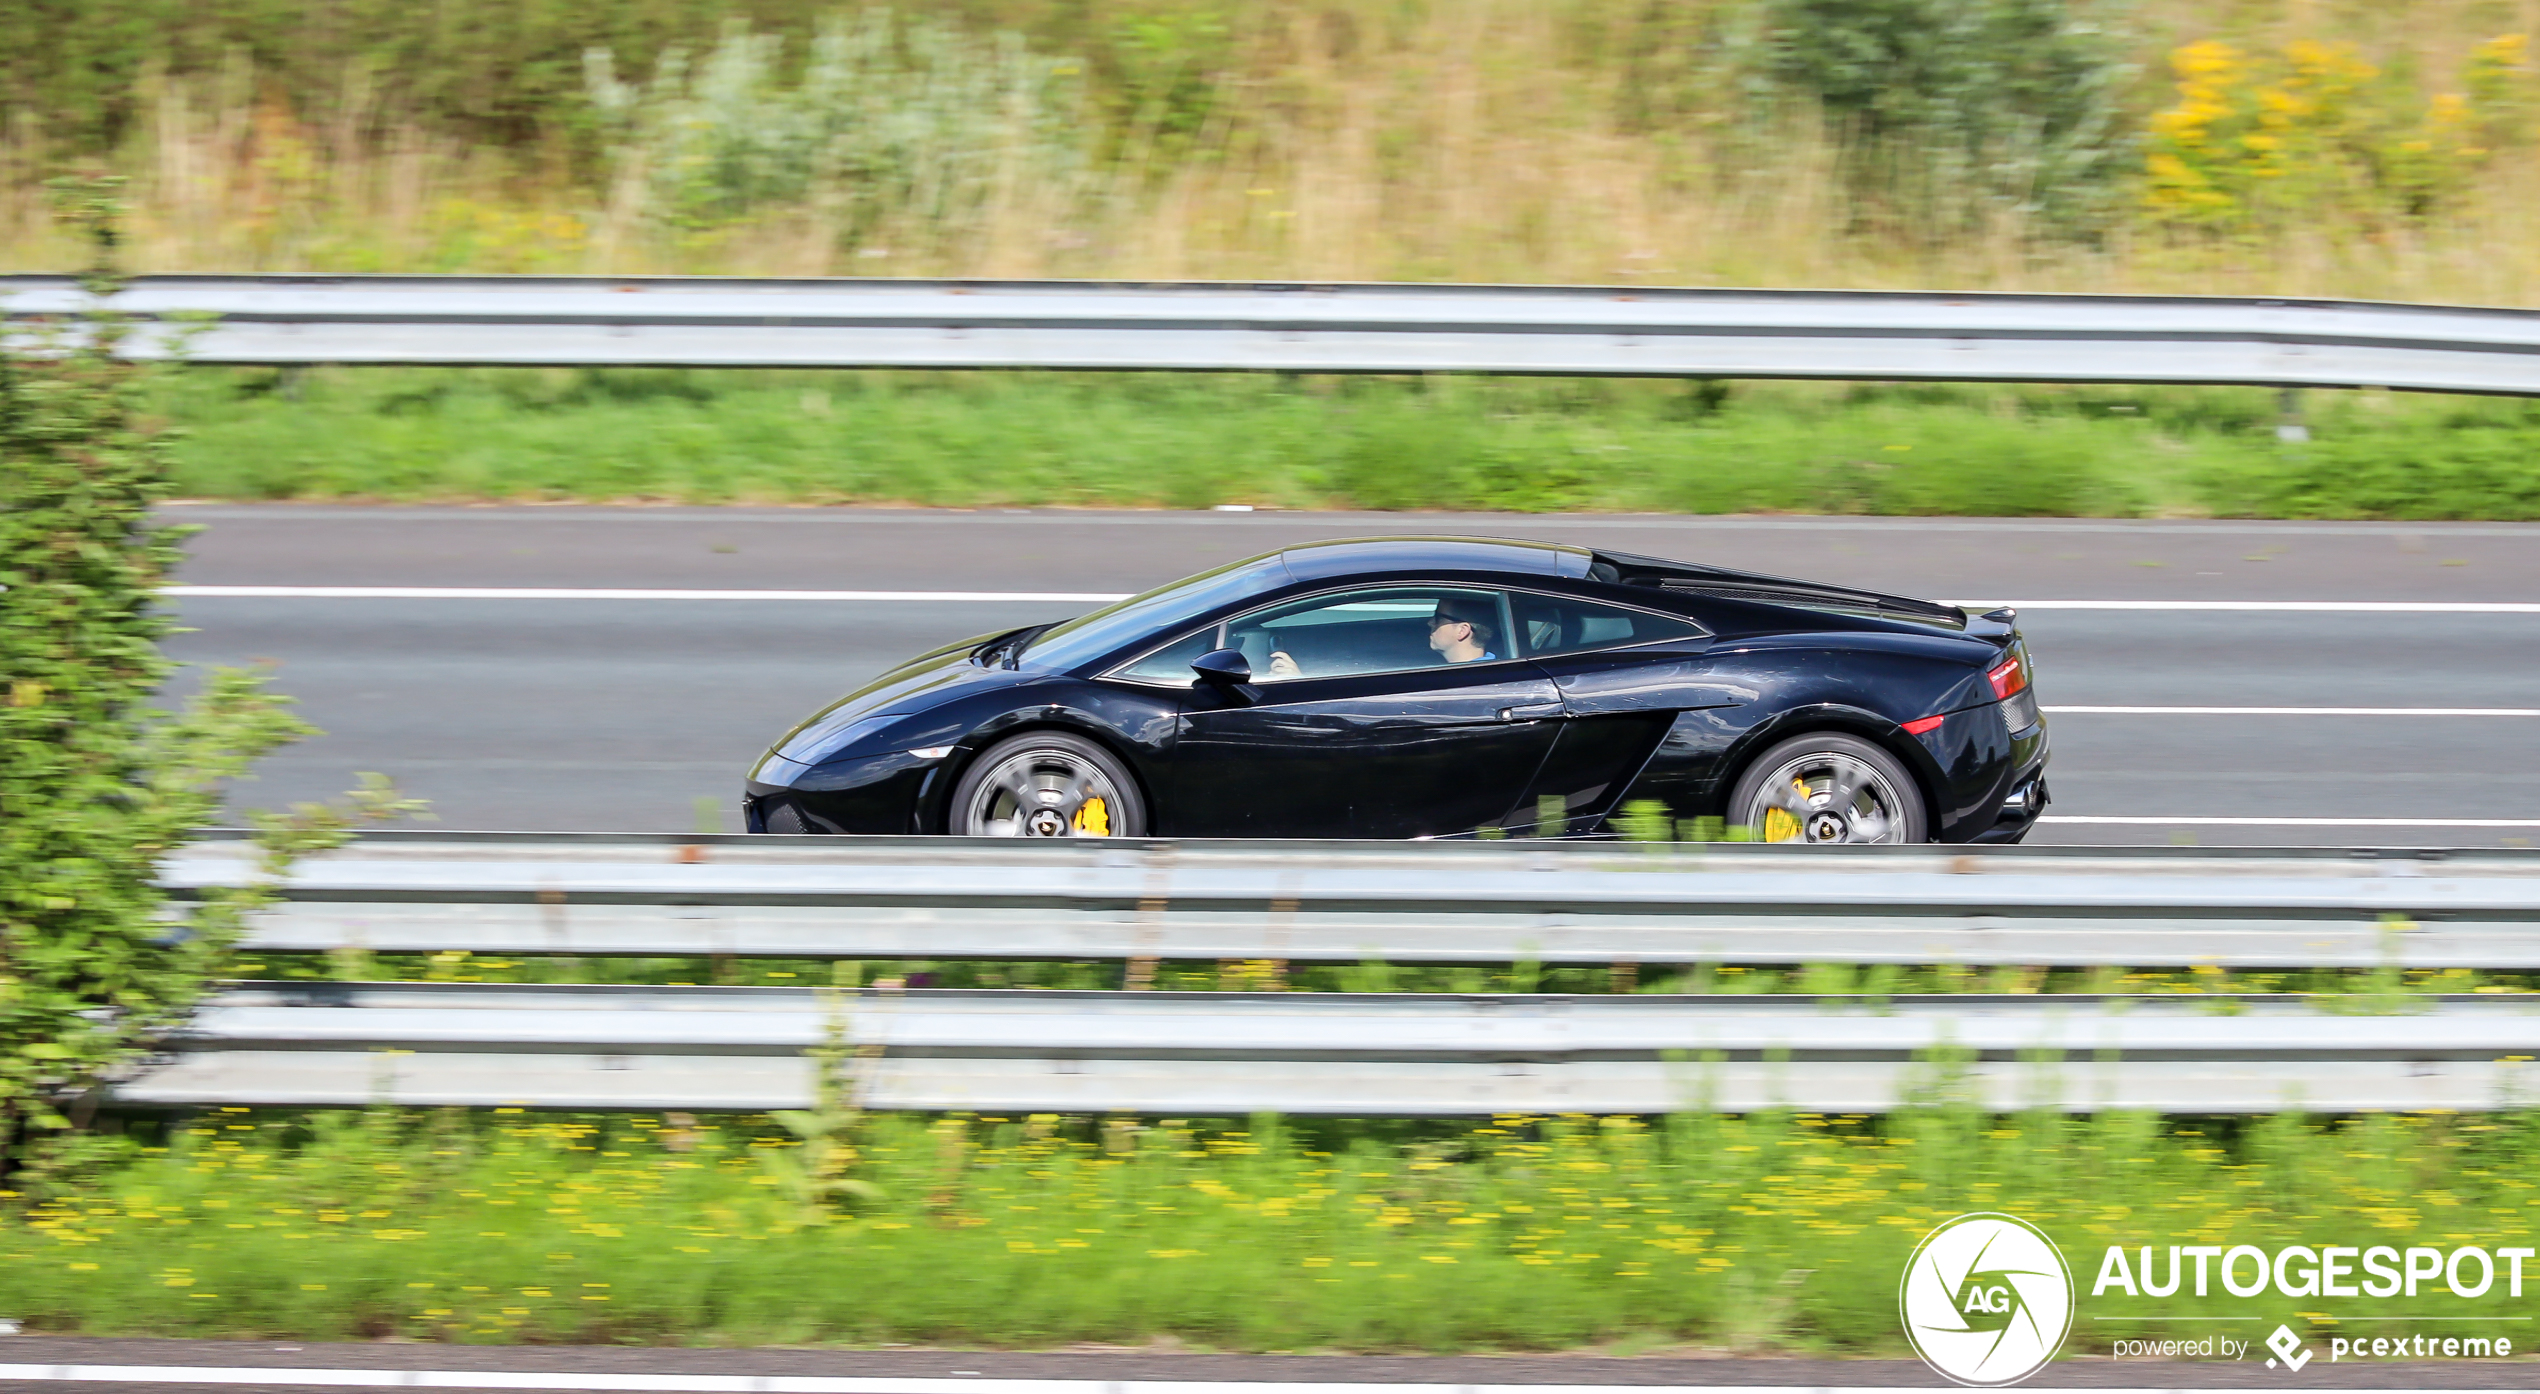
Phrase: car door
(1623, 674)
(1356, 726)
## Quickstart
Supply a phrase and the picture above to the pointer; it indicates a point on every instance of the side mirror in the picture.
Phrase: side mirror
(1228, 674)
(1227, 666)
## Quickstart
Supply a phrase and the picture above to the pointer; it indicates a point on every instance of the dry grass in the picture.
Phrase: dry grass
(1483, 140)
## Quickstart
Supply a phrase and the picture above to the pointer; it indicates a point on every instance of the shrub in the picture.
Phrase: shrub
(95, 789)
(1953, 113)
(909, 117)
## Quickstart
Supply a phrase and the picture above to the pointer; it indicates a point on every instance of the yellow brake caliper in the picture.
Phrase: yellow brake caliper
(1093, 818)
(1780, 824)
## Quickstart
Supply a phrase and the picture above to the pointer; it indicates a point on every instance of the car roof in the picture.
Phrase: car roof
(1440, 556)
(1508, 558)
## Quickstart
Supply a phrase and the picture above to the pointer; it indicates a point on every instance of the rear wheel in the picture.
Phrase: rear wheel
(1047, 784)
(1825, 787)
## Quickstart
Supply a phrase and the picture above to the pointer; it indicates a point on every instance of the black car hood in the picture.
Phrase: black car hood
(912, 687)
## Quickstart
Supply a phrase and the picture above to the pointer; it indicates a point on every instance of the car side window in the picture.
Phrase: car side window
(1552, 624)
(1170, 666)
(1377, 630)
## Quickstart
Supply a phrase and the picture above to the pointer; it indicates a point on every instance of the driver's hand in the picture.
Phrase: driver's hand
(1282, 666)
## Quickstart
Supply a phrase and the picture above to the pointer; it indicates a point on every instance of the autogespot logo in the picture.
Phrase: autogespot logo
(1986, 1299)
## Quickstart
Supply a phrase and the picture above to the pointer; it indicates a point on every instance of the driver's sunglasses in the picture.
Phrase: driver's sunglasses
(1436, 620)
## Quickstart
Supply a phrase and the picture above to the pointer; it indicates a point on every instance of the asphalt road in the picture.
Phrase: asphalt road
(624, 714)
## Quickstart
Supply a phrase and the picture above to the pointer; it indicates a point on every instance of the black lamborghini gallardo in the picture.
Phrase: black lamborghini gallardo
(1406, 687)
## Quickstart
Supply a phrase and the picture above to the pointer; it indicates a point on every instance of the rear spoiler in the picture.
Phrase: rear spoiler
(2000, 626)
(1720, 582)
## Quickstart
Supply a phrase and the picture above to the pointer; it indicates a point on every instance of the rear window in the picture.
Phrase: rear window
(1554, 624)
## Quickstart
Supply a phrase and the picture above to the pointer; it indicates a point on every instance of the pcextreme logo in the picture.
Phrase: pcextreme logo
(1987, 1299)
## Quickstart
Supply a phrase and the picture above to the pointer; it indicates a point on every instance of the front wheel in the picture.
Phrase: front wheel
(1825, 787)
(1047, 784)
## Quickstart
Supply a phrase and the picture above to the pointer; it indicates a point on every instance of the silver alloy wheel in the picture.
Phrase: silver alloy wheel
(1826, 796)
(1040, 791)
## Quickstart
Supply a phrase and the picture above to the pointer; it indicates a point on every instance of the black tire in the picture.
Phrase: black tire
(1825, 787)
(1046, 784)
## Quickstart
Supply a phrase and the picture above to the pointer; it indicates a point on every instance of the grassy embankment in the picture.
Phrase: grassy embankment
(2275, 147)
(1190, 441)
(1768, 1232)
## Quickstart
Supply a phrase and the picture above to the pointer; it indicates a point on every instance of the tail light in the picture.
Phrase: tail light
(2011, 677)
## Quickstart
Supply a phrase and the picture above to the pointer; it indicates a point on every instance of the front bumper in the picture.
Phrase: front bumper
(890, 793)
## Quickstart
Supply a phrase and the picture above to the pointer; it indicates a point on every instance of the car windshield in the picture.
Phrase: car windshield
(1140, 617)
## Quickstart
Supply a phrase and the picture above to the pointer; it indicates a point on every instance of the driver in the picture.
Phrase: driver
(1461, 629)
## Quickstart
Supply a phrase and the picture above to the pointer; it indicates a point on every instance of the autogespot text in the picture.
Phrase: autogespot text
(2332, 1270)
(2464, 1276)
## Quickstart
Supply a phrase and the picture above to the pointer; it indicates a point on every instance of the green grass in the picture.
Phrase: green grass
(1191, 441)
(1755, 1233)
(1810, 979)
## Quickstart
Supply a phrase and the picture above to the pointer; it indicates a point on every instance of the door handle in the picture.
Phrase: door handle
(1537, 711)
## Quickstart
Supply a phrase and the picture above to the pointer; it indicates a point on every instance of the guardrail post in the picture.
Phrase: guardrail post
(2289, 426)
(1150, 928)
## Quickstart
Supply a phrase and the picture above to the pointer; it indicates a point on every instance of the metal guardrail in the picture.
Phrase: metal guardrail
(701, 322)
(743, 1048)
(1233, 1053)
(1555, 903)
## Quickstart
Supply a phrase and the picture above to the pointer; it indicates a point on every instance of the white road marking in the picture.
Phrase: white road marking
(608, 593)
(2291, 711)
(775, 1384)
(2325, 607)
(1103, 597)
(2133, 822)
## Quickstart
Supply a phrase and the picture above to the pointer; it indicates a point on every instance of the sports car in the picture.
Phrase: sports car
(1417, 687)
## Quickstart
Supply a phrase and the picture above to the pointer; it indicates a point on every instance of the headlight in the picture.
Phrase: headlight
(828, 734)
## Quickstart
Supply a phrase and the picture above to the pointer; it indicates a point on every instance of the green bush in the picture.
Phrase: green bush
(1951, 113)
(95, 787)
(910, 118)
